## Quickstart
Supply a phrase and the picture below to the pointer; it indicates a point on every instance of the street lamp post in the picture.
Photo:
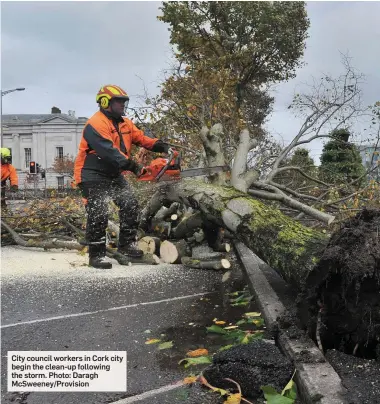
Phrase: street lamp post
(1, 107)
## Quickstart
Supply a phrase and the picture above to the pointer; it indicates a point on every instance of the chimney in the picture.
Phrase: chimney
(55, 110)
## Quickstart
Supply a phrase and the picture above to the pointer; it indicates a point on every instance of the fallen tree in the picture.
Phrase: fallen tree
(343, 287)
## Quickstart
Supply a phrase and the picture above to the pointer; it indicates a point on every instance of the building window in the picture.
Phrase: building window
(28, 156)
(61, 183)
(59, 152)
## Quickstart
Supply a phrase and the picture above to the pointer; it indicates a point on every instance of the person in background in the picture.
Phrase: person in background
(104, 154)
(8, 172)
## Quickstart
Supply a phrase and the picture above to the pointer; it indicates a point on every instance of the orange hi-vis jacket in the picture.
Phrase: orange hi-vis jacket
(105, 147)
(8, 172)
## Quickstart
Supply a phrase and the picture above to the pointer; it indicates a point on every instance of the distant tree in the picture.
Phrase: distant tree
(340, 159)
(303, 165)
(64, 165)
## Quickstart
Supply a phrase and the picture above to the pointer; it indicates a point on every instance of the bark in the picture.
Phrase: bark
(165, 212)
(207, 264)
(214, 151)
(240, 179)
(204, 252)
(187, 225)
(162, 229)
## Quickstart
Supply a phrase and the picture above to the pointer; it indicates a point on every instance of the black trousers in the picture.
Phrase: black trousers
(97, 195)
(3, 200)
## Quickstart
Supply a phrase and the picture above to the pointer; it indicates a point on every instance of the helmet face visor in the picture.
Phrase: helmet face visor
(126, 103)
(119, 105)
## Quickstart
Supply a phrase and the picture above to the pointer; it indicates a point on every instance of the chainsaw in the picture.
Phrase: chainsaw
(169, 169)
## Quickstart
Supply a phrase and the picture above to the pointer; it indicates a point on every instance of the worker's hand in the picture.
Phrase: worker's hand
(14, 188)
(142, 171)
(138, 169)
(174, 152)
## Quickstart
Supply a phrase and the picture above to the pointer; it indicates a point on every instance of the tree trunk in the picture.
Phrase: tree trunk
(286, 245)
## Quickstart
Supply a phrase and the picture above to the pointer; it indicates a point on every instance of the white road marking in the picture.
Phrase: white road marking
(149, 394)
(105, 310)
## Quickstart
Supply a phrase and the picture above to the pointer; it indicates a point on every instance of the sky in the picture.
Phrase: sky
(63, 52)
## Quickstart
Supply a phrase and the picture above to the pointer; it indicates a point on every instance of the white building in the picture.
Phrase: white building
(370, 155)
(42, 138)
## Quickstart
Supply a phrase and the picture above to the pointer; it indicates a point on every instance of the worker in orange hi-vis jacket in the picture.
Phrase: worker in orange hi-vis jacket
(104, 154)
(8, 172)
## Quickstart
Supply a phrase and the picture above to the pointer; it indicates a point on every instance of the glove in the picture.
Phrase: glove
(137, 168)
(14, 188)
(160, 147)
(142, 171)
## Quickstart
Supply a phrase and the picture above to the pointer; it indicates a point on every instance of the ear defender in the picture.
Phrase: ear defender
(104, 102)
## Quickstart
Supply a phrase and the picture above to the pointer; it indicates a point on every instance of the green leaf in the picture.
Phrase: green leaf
(252, 314)
(240, 322)
(166, 345)
(223, 348)
(273, 397)
(243, 303)
(290, 390)
(216, 329)
(200, 360)
(257, 321)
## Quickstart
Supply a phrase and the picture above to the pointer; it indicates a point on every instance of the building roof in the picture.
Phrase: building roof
(28, 119)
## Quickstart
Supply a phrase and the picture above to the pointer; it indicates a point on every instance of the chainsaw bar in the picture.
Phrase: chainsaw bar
(169, 175)
(196, 172)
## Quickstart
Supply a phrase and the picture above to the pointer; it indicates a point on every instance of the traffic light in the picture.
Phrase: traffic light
(32, 167)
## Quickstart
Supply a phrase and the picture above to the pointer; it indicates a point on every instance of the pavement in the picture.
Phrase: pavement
(52, 301)
(317, 381)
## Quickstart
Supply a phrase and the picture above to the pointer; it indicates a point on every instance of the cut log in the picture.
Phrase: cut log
(153, 206)
(165, 212)
(172, 252)
(223, 247)
(149, 244)
(146, 259)
(205, 253)
(187, 225)
(114, 228)
(162, 229)
(198, 264)
(215, 237)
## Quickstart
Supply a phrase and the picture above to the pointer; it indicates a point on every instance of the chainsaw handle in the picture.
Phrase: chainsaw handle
(171, 157)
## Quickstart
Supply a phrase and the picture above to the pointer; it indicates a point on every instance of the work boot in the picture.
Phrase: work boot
(97, 254)
(100, 263)
(130, 250)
